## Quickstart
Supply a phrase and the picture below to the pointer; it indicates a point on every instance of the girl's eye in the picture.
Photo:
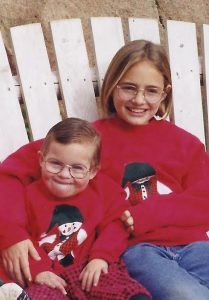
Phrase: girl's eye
(129, 88)
(152, 91)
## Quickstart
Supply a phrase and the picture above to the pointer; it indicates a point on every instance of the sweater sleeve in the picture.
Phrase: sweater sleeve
(187, 208)
(16, 171)
(112, 238)
(111, 242)
(42, 265)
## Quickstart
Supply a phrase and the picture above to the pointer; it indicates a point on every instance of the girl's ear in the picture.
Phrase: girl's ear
(168, 89)
(41, 158)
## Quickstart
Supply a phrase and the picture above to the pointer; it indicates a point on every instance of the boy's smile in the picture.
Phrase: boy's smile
(62, 184)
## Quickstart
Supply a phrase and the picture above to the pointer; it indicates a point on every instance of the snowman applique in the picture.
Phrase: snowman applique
(140, 181)
(64, 234)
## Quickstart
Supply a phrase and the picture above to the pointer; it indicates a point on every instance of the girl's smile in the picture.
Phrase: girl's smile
(138, 111)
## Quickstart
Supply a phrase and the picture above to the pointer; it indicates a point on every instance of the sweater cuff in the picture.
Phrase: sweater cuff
(108, 258)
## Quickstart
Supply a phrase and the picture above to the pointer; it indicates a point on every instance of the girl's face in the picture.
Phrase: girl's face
(138, 110)
(62, 160)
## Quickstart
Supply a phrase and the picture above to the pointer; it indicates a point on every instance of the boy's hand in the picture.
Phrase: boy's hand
(91, 273)
(128, 221)
(15, 261)
(51, 280)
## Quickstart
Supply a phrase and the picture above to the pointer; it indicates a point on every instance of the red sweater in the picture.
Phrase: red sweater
(91, 217)
(173, 198)
(173, 158)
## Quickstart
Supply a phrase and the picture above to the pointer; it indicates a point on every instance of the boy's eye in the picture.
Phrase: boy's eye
(55, 163)
(78, 168)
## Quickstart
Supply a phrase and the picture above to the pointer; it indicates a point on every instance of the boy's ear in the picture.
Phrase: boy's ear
(93, 172)
(41, 158)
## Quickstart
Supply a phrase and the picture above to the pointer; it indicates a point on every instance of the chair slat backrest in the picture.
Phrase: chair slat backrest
(36, 78)
(75, 79)
(145, 29)
(187, 100)
(108, 39)
(12, 127)
(73, 68)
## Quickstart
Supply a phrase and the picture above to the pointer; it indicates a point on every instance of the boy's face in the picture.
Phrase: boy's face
(56, 175)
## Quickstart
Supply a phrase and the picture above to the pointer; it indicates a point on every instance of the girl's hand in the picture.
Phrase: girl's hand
(51, 280)
(128, 221)
(15, 261)
(91, 273)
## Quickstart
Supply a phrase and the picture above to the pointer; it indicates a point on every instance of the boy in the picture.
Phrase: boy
(73, 218)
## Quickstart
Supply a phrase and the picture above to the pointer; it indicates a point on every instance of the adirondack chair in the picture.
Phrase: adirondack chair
(38, 86)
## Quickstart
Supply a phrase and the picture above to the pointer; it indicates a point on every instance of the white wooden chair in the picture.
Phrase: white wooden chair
(37, 85)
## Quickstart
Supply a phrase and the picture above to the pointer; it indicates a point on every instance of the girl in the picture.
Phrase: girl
(163, 169)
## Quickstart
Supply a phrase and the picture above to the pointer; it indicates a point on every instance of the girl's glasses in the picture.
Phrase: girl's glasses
(129, 92)
(76, 171)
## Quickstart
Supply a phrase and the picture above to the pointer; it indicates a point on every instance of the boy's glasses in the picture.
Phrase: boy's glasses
(76, 171)
(129, 92)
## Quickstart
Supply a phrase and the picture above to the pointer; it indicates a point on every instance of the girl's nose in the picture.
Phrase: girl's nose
(139, 97)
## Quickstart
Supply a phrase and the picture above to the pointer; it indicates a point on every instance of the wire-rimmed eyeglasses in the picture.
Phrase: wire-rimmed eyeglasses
(151, 94)
(76, 171)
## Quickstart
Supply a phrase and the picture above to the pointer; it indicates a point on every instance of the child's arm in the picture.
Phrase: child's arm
(186, 208)
(51, 280)
(91, 273)
(112, 238)
(107, 248)
(16, 263)
(16, 172)
(19, 169)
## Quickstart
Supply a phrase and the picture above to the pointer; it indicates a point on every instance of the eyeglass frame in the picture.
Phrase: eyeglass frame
(69, 169)
(137, 90)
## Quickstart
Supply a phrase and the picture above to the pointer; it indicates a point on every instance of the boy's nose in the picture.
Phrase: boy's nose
(65, 173)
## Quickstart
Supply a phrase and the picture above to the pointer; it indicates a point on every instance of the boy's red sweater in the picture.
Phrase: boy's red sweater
(180, 163)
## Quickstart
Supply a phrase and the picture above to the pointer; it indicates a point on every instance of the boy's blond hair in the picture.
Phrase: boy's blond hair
(74, 130)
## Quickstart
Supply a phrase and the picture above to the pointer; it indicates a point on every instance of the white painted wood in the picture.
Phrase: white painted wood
(73, 68)
(182, 44)
(36, 78)
(108, 39)
(144, 29)
(12, 128)
(206, 66)
(37, 82)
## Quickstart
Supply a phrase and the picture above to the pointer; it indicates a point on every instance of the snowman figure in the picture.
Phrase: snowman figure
(64, 234)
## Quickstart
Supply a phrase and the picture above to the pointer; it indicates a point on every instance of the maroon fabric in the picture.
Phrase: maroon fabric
(43, 292)
(117, 285)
